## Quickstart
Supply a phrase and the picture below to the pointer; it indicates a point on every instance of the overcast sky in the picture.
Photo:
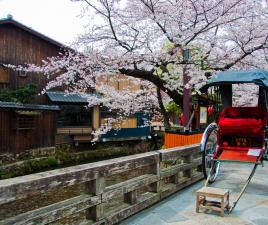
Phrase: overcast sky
(57, 19)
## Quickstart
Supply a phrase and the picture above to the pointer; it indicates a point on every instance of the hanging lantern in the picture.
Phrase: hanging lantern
(210, 110)
(181, 120)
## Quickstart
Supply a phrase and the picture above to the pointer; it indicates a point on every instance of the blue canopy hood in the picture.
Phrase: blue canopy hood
(255, 76)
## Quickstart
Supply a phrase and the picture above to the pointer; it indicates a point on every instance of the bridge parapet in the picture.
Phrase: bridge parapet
(104, 192)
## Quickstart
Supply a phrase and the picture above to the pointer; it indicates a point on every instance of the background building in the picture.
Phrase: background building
(30, 120)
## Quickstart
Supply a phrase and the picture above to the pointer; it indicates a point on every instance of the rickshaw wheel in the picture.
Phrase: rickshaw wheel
(208, 148)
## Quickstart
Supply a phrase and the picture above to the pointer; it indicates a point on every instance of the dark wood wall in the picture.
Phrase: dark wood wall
(14, 140)
(5, 131)
(19, 47)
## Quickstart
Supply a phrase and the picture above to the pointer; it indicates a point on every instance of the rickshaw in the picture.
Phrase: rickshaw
(240, 133)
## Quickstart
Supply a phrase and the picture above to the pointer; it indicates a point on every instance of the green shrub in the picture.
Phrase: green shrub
(23, 94)
(29, 166)
(173, 107)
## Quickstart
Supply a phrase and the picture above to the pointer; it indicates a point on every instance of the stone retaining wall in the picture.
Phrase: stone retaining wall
(27, 154)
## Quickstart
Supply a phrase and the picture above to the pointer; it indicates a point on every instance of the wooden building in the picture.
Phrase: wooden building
(75, 121)
(25, 126)
(35, 125)
(20, 45)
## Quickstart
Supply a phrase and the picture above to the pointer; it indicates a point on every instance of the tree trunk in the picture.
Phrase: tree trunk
(186, 98)
(162, 109)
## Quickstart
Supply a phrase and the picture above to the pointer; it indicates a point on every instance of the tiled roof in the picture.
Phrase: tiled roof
(14, 105)
(67, 98)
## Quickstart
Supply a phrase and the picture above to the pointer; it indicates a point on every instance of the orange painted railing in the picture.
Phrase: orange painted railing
(175, 140)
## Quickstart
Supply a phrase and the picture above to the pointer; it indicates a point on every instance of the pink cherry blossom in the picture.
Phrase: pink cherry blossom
(146, 40)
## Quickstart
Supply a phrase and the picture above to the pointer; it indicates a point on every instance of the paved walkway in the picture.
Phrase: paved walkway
(179, 209)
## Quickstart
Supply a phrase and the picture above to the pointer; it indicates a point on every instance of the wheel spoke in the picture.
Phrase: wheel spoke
(209, 145)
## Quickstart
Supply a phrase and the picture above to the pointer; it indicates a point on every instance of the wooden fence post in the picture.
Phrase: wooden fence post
(95, 187)
(156, 186)
(188, 159)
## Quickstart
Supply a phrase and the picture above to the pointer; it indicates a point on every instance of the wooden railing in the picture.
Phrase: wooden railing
(104, 192)
(74, 130)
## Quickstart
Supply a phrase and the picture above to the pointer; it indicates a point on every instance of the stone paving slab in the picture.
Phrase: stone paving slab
(179, 209)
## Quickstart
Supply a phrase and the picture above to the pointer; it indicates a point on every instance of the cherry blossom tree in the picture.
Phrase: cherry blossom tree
(148, 40)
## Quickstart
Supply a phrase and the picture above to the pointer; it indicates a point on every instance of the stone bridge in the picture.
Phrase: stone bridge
(104, 192)
(112, 191)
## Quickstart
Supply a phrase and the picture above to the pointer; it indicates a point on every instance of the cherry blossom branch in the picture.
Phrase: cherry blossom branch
(142, 74)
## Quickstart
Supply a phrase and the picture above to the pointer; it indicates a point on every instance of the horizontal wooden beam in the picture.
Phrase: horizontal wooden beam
(55, 211)
(179, 152)
(128, 186)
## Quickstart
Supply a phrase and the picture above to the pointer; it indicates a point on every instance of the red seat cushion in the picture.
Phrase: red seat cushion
(242, 120)
(243, 126)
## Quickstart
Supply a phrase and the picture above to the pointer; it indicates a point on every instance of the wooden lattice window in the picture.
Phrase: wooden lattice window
(3, 75)
(25, 122)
